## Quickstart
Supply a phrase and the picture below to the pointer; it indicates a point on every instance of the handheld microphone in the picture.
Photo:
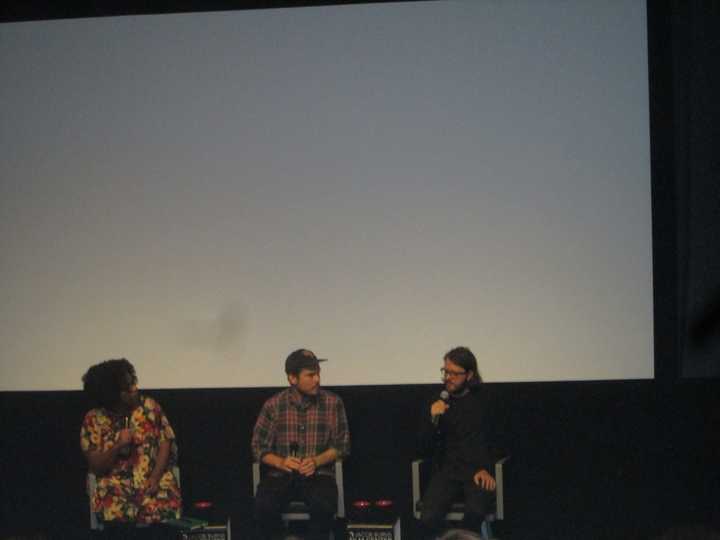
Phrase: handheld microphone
(294, 453)
(125, 452)
(443, 396)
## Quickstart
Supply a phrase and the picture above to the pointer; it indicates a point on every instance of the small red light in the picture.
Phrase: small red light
(361, 504)
(202, 505)
(383, 503)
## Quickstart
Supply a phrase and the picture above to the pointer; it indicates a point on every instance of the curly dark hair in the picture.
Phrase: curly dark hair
(104, 382)
(463, 357)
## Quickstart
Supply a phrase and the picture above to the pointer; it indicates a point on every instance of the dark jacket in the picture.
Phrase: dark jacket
(462, 439)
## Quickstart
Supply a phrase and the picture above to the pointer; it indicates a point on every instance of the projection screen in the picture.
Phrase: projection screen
(204, 193)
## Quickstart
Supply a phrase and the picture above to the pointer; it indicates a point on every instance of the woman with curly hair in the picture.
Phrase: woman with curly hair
(130, 447)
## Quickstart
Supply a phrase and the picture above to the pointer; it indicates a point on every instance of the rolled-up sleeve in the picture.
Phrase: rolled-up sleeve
(263, 433)
(341, 439)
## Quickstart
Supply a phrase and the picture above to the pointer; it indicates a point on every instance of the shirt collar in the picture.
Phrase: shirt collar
(300, 400)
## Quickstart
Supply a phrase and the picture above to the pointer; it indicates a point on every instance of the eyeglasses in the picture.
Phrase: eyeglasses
(450, 373)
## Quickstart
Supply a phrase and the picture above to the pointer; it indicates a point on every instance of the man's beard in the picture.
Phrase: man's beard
(456, 389)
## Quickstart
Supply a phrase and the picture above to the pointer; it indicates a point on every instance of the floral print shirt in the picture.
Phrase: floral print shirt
(120, 494)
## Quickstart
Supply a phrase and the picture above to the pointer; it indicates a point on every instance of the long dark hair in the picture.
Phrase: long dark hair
(463, 357)
(103, 382)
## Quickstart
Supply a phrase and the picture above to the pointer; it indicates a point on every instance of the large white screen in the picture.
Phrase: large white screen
(204, 193)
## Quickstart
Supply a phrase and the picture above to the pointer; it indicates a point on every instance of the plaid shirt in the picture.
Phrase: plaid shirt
(314, 423)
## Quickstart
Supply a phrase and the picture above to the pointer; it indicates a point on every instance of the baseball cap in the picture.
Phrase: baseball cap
(302, 359)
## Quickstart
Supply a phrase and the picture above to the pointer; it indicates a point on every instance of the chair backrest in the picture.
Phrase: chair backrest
(500, 488)
(417, 475)
(91, 486)
(340, 513)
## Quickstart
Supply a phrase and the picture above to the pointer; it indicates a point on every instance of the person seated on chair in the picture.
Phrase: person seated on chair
(130, 447)
(454, 429)
(299, 434)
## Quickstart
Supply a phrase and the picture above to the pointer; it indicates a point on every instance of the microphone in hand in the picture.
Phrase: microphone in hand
(444, 396)
(126, 450)
(294, 449)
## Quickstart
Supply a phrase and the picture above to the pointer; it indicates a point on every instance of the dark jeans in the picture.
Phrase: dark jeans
(447, 486)
(318, 492)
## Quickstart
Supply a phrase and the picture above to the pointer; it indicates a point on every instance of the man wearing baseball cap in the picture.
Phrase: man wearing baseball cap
(300, 432)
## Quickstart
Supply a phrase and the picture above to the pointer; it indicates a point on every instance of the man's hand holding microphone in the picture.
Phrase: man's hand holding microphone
(439, 407)
(294, 464)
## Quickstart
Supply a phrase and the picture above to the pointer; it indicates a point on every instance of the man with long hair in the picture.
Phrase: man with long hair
(454, 431)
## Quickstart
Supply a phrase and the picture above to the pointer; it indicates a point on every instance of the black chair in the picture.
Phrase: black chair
(420, 473)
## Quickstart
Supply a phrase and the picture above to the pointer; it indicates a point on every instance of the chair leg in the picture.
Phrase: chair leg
(486, 530)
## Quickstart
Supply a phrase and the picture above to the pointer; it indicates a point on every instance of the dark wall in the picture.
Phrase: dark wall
(620, 459)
